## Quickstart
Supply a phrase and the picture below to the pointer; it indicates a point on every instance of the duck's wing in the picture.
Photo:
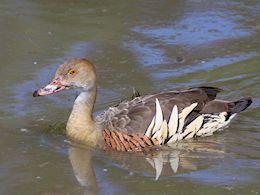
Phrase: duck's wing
(136, 115)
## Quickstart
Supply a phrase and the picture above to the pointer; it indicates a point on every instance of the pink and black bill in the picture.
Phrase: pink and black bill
(54, 87)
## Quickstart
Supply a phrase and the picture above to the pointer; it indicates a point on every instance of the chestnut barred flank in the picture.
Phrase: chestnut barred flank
(121, 141)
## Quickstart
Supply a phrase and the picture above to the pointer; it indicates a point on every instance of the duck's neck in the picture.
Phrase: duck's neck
(81, 125)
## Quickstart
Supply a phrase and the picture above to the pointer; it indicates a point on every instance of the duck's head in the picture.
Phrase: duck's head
(75, 73)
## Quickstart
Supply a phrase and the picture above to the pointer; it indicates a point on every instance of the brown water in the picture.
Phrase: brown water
(152, 45)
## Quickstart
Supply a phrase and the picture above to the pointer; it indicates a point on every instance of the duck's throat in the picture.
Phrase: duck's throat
(81, 126)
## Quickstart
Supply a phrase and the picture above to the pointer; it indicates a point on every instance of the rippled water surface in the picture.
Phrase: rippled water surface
(151, 45)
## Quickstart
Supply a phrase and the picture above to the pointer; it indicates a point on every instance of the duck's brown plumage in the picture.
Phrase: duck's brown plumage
(130, 119)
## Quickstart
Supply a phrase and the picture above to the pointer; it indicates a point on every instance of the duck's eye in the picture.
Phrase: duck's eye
(72, 72)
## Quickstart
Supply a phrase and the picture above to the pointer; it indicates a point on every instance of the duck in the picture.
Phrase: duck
(145, 121)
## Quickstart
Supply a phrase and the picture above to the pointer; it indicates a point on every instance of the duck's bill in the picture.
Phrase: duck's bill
(49, 89)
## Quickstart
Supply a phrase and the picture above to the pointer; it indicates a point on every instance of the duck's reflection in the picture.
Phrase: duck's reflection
(81, 161)
(179, 158)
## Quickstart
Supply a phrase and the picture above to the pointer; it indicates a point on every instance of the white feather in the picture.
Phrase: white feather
(173, 121)
(193, 127)
(150, 128)
(185, 112)
(161, 134)
(158, 117)
(164, 130)
(157, 135)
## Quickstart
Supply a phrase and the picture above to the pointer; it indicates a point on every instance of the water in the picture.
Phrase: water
(147, 44)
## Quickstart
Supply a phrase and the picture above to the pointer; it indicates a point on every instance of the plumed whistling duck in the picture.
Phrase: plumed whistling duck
(144, 121)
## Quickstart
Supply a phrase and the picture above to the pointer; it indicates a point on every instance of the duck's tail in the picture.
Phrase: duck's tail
(240, 105)
(231, 107)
